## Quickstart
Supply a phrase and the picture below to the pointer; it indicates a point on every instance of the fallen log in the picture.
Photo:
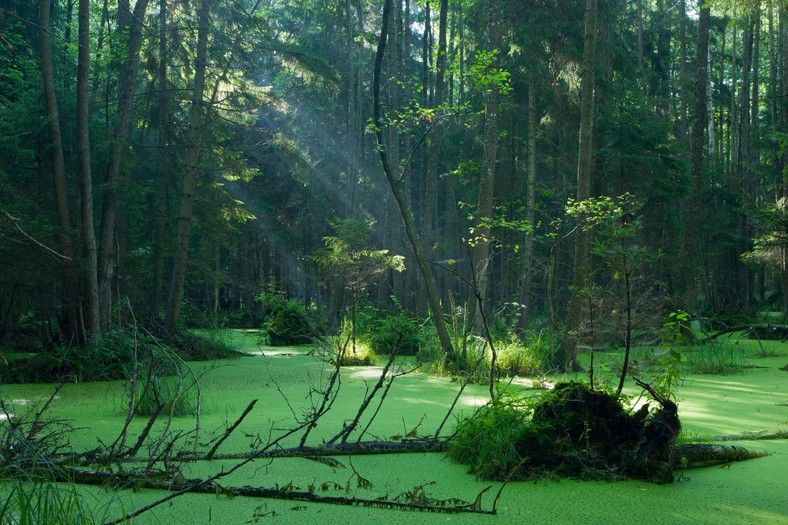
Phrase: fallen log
(756, 435)
(699, 455)
(361, 448)
(138, 481)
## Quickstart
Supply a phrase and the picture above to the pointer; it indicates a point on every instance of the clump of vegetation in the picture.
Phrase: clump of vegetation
(44, 502)
(168, 395)
(114, 357)
(526, 357)
(288, 322)
(487, 441)
(573, 431)
(716, 358)
(362, 355)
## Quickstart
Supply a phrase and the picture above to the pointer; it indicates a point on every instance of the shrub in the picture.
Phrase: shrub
(487, 441)
(289, 322)
(390, 331)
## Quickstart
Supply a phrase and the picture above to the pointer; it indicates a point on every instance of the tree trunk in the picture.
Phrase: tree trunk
(639, 16)
(394, 179)
(88, 234)
(130, 24)
(163, 165)
(568, 352)
(694, 261)
(528, 248)
(69, 322)
(192, 168)
(481, 252)
(683, 68)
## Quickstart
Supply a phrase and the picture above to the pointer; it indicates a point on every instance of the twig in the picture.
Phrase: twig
(508, 477)
(459, 394)
(348, 429)
(14, 221)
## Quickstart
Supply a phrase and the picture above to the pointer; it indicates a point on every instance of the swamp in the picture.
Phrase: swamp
(384, 261)
(737, 409)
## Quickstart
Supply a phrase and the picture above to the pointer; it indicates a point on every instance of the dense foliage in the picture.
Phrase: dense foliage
(232, 154)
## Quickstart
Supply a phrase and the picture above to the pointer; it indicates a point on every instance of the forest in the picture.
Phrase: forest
(537, 216)
(546, 164)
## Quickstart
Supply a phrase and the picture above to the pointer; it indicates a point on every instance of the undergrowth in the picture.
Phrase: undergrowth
(36, 503)
(486, 442)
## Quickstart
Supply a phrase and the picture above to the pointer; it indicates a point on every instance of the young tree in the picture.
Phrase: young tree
(394, 177)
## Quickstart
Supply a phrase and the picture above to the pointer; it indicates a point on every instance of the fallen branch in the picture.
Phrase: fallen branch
(211, 453)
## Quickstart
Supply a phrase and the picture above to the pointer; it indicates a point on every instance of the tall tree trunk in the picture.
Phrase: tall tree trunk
(130, 25)
(639, 15)
(192, 169)
(481, 252)
(568, 353)
(350, 117)
(163, 165)
(394, 178)
(781, 117)
(88, 234)
(69, 323)
(528, 248)
(436, 228)
(683, 81)
(694, 263)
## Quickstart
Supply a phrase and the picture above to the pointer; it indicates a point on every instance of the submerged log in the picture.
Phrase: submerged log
(698, 455)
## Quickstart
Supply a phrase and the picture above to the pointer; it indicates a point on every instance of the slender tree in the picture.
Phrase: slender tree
(394, 177)
(130, 26)
(197, 120)
(89, 257)
(68, 280)
(481, 256)
(568, 354)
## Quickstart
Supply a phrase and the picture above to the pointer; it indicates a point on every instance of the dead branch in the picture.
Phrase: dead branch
(230, 430)
(348, 429)
(14, 222)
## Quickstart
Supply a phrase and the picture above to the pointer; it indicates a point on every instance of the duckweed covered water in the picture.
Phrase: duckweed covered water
(751, 492)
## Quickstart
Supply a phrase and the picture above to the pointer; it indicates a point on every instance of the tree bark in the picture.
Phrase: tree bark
(481, 252)
(163, 165)
(568, 352)
(394, 178)
(192, 169)
(528, 248)
(130, 25)
(69, 323)
(88, 234)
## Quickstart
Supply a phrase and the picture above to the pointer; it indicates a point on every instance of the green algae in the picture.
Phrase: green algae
(744, 493)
